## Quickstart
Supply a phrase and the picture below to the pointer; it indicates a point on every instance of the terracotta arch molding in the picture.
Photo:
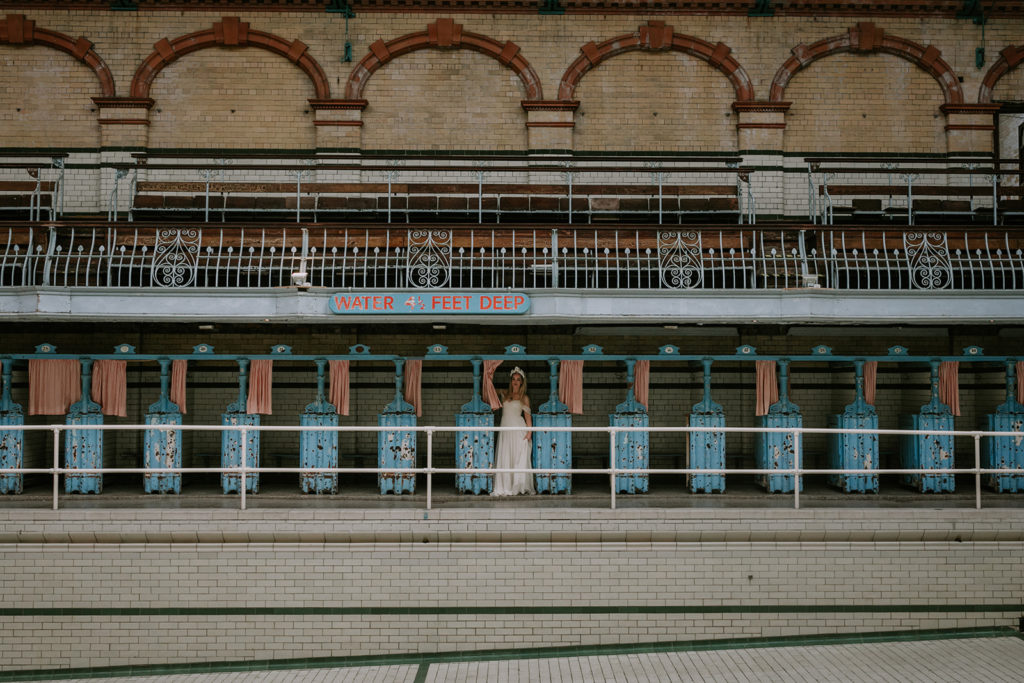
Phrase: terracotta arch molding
(1009, 58)
(656, 36)
(15, 29)
(866, 37)
(228, 32)
(443, 34)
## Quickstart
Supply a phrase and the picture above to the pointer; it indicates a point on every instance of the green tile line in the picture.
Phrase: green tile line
(424, 660)
(421, 673)
(499, 610)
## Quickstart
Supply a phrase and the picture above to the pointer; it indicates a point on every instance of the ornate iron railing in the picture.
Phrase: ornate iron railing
(530, 257)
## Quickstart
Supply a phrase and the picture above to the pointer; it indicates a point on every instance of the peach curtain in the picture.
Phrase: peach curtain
(641, 380)
(53, 385)
(767, 387)
(1020, 381)
(570, 385)
(260, 379)
(110, 386)
(870, 381)
(338, 392)
(949, 385)
(490, 394)
(413, 391)
(179, 368)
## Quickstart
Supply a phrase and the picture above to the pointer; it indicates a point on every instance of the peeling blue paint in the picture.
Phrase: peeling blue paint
(11, 440)
(319, 448)
(83, 448)
(928, 451)
(162, 448)
(855, 451)
(231, 443)
(475, 448)
(777, 450)
(1006, 452)
(552, 450)
(632, 449)
(707, 449)
(396, 448)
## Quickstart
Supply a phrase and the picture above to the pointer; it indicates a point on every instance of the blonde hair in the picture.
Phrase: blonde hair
(522, 387)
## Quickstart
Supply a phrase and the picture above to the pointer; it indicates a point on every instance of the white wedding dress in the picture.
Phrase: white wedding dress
(513, 452)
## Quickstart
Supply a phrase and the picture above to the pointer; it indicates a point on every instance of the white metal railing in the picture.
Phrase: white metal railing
(442, 257)
(242, 470)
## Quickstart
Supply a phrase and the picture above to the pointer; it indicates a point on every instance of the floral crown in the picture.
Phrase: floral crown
(517, 371)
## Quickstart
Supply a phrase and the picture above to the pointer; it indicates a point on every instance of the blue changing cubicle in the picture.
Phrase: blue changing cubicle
(396, 444)
(552, 450)
(855, 451)
(474, 442)
(632, 448)
(319, 448)
(707, 449)
(778, 450)
(162, 447)
(929, 451)
(396, 447)
(1006, 452)
(11, 440)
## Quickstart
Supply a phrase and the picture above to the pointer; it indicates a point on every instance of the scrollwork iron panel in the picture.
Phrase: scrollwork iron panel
(928, 260)
(679, 259)
(429, 258)
(175, 256)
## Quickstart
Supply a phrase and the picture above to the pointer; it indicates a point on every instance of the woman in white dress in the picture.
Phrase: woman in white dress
(514, 446)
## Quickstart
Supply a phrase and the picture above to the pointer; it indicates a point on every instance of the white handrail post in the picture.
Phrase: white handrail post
(56, 464)
(796, 469)
(611, 455)
(977, 471)
(430, 465)
(245, 459)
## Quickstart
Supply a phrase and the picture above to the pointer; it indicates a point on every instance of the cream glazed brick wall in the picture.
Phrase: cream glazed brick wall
(484, 578)
(845, 103)
(232, 98)
(444, 100)
(642, 101)
(124, 40)
(46, 99)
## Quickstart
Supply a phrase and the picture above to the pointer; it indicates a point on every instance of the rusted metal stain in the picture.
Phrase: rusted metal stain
(83, 449)
(474, 449)
(318, 449)
(1006, 452)
(162, 449)
(11, 440)
(707, 449)
(231, 452)
(775, 450)
(11, 450)
(396, 448)
(854, 451)
(632, 449)
(552, 450)
(928, 451)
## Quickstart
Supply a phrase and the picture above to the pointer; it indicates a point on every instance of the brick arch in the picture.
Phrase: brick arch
(445, 34)
(228, 32)
(1009, 58)
(15, 29)
(656, 36)
(866, 37)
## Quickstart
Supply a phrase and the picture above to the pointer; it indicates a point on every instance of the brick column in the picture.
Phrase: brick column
(760, 130)
(549, 124)
(339, 124)
(969, 128)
